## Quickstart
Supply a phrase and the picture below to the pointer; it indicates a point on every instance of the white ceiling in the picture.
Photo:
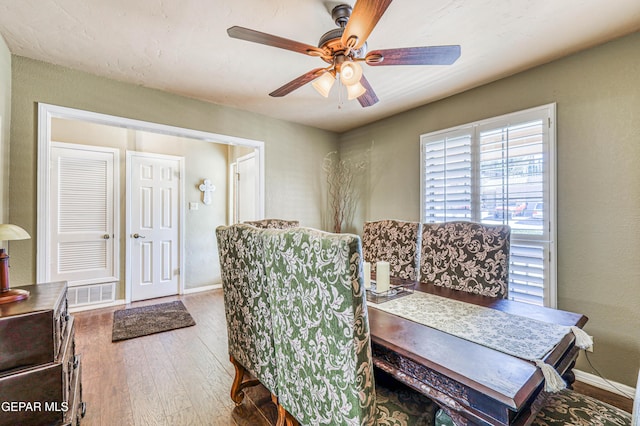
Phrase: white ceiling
(181, 46)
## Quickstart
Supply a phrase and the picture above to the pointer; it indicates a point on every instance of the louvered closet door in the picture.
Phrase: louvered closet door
(83, 243)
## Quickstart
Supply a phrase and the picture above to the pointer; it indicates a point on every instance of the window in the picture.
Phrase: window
(500, 171)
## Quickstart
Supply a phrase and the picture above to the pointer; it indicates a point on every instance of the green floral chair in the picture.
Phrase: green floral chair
(466, 256)
(568, 407)
(274, 223)
(247, 307)
(321, 335)
(394, 241)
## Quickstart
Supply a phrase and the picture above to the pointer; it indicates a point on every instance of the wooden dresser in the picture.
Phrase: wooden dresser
(39, 369)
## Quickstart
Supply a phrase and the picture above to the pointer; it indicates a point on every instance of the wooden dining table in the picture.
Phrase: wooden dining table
(474, 384)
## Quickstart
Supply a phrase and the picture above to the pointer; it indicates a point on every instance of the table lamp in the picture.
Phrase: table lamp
(9, 233)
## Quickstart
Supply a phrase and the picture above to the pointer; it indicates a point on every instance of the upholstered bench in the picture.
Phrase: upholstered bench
(568, 407)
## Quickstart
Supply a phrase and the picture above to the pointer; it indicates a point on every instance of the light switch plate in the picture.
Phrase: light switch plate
(193, 206)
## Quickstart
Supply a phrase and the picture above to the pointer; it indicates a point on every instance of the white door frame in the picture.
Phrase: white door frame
(46, 112)
(181, 221)
(233, 190)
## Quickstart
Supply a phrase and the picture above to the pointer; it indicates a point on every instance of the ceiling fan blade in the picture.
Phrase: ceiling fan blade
(365, 16)
(426, 55)
(275, 41)
(369, 97)
(297, 83)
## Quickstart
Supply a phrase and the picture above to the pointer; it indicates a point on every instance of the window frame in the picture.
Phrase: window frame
(548, 240)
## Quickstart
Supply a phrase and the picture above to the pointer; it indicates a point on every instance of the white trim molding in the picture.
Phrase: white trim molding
(608, 385)
(119, 302)
(201, 289)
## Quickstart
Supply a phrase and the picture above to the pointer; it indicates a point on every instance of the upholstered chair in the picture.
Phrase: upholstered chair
(321, 335)
(394, 241)
(273, 223)
(466, 256)
(247, 308)
(569, 407)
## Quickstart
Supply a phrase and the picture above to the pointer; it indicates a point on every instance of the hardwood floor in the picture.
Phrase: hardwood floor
(181, 377)
(177, 378)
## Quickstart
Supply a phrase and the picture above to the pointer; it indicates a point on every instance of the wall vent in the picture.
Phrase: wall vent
(91, 294)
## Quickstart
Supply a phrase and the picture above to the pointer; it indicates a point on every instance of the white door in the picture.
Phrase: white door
(246, 181)
(154, 197)
(83, 247)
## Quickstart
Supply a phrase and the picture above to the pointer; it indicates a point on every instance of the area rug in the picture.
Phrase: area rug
(145, 320)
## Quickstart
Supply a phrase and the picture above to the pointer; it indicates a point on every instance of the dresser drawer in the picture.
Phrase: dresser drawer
(42, 395)
(32, 331)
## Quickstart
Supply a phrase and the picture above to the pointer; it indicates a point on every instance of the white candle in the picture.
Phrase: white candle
(366, 272)
(382, 277)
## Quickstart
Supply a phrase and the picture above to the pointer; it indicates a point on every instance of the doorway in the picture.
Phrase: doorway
(194, 274)
(244, 188)
(153, 218)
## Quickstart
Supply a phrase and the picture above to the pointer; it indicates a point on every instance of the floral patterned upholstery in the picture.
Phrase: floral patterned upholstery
(394, 241)
(466, 256)
(246, 301)
(568, 407)
(399, 405)
(321, 334)
(320, 327)
(572, 408)
(274, 223)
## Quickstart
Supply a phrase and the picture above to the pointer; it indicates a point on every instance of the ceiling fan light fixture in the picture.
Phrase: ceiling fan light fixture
(324, 83)
(355, 91)
(350, 73)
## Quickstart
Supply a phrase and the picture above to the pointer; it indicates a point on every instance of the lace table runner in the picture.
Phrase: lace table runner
(515, 335)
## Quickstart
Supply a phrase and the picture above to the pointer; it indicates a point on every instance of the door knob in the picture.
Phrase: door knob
(106, 236)
(136, 235)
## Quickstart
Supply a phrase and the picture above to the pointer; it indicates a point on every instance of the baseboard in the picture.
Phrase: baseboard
(96, 306)
(608, 385)
(203, 288)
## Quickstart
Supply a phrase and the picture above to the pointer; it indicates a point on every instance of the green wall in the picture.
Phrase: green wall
(598, 99)
(293, 153)
(5, 120)
(598, 190)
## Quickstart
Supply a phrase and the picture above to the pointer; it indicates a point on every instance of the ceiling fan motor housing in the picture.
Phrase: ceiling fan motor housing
(340, 14)
(331, 41)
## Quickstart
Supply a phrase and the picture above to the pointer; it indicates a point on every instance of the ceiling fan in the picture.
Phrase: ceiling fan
(345, 47)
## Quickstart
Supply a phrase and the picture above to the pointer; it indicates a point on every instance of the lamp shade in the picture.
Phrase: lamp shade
(355, 90)
(324, 83)
(350, 73)
(10, 232)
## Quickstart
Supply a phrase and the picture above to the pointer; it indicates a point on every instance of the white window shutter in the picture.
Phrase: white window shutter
(500, 171)
(447, 180)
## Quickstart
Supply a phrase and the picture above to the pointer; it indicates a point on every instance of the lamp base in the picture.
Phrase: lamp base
(13, 296)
